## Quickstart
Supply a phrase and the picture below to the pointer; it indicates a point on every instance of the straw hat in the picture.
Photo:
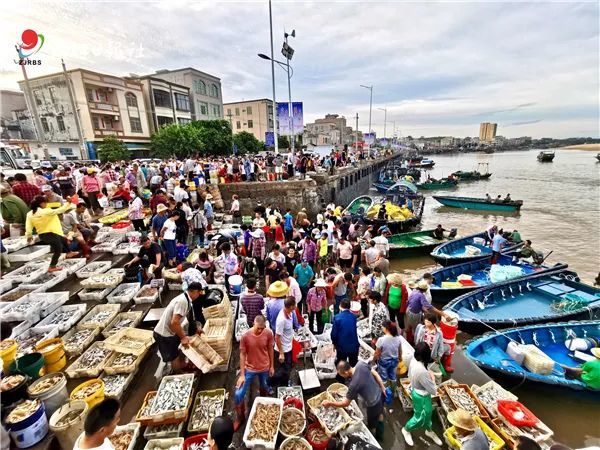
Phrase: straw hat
(394, 278)
(278, 289)
(462, 419)
(412, 284)
(423, 285)
(161, 207)
(209, 196)
(596, 352)
(320, 283)
(258, 233)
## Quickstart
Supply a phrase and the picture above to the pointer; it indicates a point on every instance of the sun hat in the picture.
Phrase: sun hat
(394, 278)
(596, 352)
(278, 289)
(90, 170)
(46, 188)
(462, 419)
(412, 284)
(423, 285)
(258, 233)
(161, 207)
(320, 283)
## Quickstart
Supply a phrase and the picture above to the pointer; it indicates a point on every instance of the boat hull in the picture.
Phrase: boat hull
(363, 202)
(465, 203)
(438, 185)
(415, 243)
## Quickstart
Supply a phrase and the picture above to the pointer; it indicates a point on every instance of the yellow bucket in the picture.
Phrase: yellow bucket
(8, 352)
(92, 399)
(54, 354)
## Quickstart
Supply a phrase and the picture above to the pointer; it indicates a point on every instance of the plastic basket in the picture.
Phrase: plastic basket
(130, 340)
(93, 294)
(482, 410)
(50, 301)
(113, 368)
(365, 350)
(508, 408)
(164, 443)
(26, 345)
(52, 279)
(94, 398)
(94, 268)
(201, 354)
(255, 442)
(146, 295)
(132, 319)
(491, 390)
(75, 349)
(163, 431)
(76, 370)
(123, 293)
(359, 429)
(118, 393)
(70, 266)
(159, 416)
(143, 414)
(204, 426)
(197, 439)
(109, 279)
(133, 428)
(65, 316)
(26, 273)
(314, 403)
(453, 442)
(92, 320)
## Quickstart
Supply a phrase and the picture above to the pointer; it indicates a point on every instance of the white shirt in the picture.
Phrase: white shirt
(235, 205)
(180, 194)
(171, 230)
(187, 210)
(258, 222)
(280, 257)
(294, 290)
(382, 244)
(285, 329)
(106, 445)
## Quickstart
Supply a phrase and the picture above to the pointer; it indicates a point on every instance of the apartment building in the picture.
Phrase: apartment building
(15, 121)
(487, 131)
(253, 116)
(330, 130)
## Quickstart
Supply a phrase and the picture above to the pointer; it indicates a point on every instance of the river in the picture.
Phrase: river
(561, 213)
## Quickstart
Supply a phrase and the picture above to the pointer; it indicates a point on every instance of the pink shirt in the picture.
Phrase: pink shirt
(345, 250)
(91, 184)
(316, 300)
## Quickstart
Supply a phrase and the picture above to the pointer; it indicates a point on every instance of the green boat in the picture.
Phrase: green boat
(432, 183)
(471, 176)
(478, 203)
(415, 243)
(359, 206)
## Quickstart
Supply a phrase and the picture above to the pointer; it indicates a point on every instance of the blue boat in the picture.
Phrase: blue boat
(548, 297)
(399, 187)
(489, 351)
(457, 252)
(478, 203)
(479, 271)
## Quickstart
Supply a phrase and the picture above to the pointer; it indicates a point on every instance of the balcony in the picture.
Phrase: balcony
(103, 108)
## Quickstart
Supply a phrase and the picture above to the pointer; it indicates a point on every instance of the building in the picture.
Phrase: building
(331, 130)
(487, 131)
(16, 123)
(165, 102)
(102, 105)
(205, 91)
(253, 116)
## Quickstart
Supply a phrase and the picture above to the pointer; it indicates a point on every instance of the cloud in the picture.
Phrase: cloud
(438, 68)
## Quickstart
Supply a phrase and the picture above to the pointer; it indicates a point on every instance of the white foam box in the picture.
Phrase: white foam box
(28, 253)
(269, 445)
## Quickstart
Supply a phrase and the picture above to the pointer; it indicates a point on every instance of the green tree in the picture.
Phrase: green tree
(111, 149)
(247, 143)
(176, 140)
(215, 134)
(283, 142)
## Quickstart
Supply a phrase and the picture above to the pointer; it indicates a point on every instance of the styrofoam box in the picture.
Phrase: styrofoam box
(14, 244)
(51, 301)
(77, 312)
(5, 285)
(31, 313)
(28, 253)
(56, 277)
(19, 277)
(73, 265)
(135, 427)
(98, 267)
(48, 331)
(93, 294)
(359, 427)
(116, 297)
(270, 445)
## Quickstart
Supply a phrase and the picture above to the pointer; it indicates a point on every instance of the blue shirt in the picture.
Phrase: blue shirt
(208, 210)
(273, 309)
(343, 333)
(303, 275)
(158, 222)
(498, 242)
(287, 225)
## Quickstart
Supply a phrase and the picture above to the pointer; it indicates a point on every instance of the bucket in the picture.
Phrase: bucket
(8, 353)
(55, 396)
(30, 430)
(355, 308)
(53, 351)
(94, 398)
(235, 284)
(316, 445)
(15, 394)
(31, 364)
(68, 432)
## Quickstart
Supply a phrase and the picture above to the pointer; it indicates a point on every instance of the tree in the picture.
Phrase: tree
(176, 140)
(112, 149)
(215, 134)
(247, 143)
(283, 142)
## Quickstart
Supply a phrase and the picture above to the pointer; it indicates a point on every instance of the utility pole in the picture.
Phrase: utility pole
(36, 118)
(370, 88)
(288, 52)
(275, 131)
(75, 110)
(356, 134)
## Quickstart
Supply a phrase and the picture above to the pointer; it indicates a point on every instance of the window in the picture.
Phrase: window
(45, 125)
(61, 123)
(250, 124)
(203, 108)
(65, 151)
(229, 111)
(102, 96)
(214, 91)
(96, 122)
(38, 97)
(136, 124)
(131, 100)
(163, 120)
(182, 102)
(249, 110)
(216, 110)
(90, 95)
(162, 98)
(183, 120)
(238, 124)
(52, 91)
(200, 87)
(237, 111)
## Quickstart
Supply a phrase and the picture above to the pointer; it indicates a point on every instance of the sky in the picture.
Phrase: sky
(438, 68)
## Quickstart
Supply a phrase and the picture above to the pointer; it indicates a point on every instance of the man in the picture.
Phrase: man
(284, 335)
(589, 372)
(70, 227)
(371, 254)
(368, 234)
(309, 251)
(256, 360)
(100, 422)
(277, 294)
(272, 271)
(88, 230)
(382, 263)
(159, 198)
(301, 217)
(515, 237)
(304, 274)
(228, 261)
(438, 233)
(288, 225)
(150, 258)
(24, 189)
(51, 196)
(356, 254)
(470, 435)
(209, 210)
(344, 253)
(526, 251)
(13, 210)
(252, 301)
(293, 286)
(340, 285)
(158, 221)
(176, 324)
(344, 335)
(366, 384)
(498, 243)
(381, 241)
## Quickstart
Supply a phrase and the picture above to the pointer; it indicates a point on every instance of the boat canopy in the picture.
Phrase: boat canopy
(403, 185)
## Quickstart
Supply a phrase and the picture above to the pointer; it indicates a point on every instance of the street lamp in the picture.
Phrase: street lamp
(384, 121)
(370, 88)
(275, 143)
(288, 52)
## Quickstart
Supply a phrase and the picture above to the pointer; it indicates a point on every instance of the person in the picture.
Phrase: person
(438, 233)
(257, 249)
(256, 360)
(199, 225)
(589, 372)
(368, 385)
(220, 433)
(277, 293)
(158, 221)
(273, 269)
(176, 324)
(229, 261)
(515, 237)
(417, 305)
(498, 199)
(291, 260)
(378, 282)
(159, 198)
(276, 254)
(70, 227)
(51, 196)
(288, 225)
(344, 334)
(526, 443)
(397, 298)
(498, 243)
(316, 300)
(423, 387)
(252, 301)
(150, 258)
(429, 333)
(100, 422)
(381, 241)
(24, 189)
(136, 212)
(284, 335)
(293, 286)
(469, 434)
(47, 225)
(323, 251)
(387, 352)
(507, 199)
(92, 187)
(378, 316)
(382, 263)
(356, 254)
(370, 255)
(304, 274)
(488, 198)
(205, 264)
(490, 233)
(208, 209)
(344, 253)
(526, 251)
(168, 235)
(13, 210)
(341, 286)
(235, 209)
(120, 194)
(309, 251)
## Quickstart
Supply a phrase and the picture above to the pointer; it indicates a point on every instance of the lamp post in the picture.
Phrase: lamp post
(275, 143)
(370, 88)
(384, 121)
(288, 52)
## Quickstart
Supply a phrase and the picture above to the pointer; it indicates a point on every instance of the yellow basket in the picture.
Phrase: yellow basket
(93, 399)
(8, 354)
(55, 359)
(498, 442)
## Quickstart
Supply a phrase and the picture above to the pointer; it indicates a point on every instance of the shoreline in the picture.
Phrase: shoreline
(586, 147)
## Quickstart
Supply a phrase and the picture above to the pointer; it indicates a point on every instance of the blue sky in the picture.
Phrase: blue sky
(438, 68)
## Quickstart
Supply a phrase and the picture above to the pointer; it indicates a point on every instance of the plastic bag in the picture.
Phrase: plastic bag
(499, 273)
(102, 201)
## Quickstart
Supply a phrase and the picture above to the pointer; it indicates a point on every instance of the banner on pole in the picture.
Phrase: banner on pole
(284, 120)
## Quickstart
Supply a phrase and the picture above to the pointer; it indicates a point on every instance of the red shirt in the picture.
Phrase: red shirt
(279, 234)
(123, 193)
(26, 191)
(257, 349)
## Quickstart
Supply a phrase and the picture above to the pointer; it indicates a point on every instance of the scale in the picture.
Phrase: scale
(308, 377)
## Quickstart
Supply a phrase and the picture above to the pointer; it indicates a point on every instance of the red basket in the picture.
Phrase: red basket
(121, 224)
(467, 282)
(196, 439)
(315, 445)
(508, 408)
(294, 403)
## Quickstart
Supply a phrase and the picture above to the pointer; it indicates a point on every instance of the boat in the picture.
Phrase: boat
(598, 157)
(490, 350)
(447, 285)
(463, 250)
(422, 164)
(414, 243)
(473, 175)
(393, 172)
(432, 183)
(359, 206)
(403, 221)
(478, 203)
(545, 156)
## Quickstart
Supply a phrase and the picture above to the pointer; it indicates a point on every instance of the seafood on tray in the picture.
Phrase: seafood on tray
(292, 422)
(121, 439)
(295, 443)
(10, 382)
(265, 422)
(463, 400)
(87, 391)
(45, 385)
(77, 339)
(173, 394)
(114, 384)
(93, 357)
(69, 417)
(207, 407)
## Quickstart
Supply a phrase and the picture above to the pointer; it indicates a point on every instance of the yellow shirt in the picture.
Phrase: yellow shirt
(45, 220)
(323, 247)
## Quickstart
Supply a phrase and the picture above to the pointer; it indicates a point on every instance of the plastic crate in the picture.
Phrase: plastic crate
(110, 279)
(133, 427)
(160, 415)
(71, 314)
(130, 340)
(14, 295)
(482, 410)
(111, 369)
(111, 309)
(28, 253)
(164, 443)
(25, 308)
(70, 266)
(27, 273)
(270, 445)
(72, 349)
(315, 401)
(497, 442)
(212, 393)
(6, 285)
(197, 439)
(45, 332)
(142, 297)
(134, 316)
(495, 391)
(359, 429)
(14, 244)
(163, 431)
(143, 414)
(123, 293)
(119, 393)
(50, 301)
(75, 371)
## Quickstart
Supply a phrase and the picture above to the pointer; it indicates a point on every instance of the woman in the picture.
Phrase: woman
(316, 300)
(379, 315)
(429, 333)
(235, 209)
(276, 254)
(397, 298)
(136, 212)
(92, 187)
(257, 249)
(220, 433)
(205, 265)
(387, 351)
(423, 387)
(47, 226)
(168, 235)
(292, 259)
(362, 289)
(182, 223)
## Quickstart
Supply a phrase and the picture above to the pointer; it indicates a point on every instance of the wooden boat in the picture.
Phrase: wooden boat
(478, 203)
(359, 206)
(545, 156)
(399, 226)
(490, 350)
(432, 183)
(422, 164)
(463, 250)
(446, 285)
(414, 243)
(473, 175)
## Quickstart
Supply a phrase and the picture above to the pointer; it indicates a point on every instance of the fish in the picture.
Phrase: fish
(264, 423)
(172, 395)
(207, 408)
(114, 384)
(463, 400)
